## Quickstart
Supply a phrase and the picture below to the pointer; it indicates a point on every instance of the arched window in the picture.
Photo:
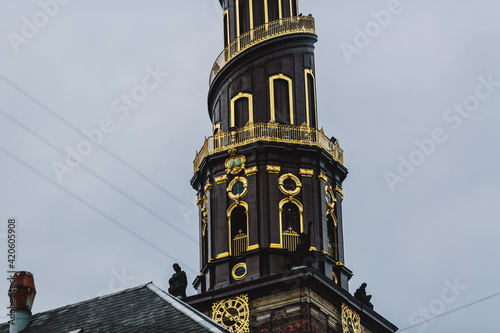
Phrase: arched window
(310, 98)
(241, 110)
(281, 99)
(238, 227)
(291, 223)
(290, 217)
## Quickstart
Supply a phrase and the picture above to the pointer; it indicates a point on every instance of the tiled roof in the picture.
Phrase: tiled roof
(145, 309)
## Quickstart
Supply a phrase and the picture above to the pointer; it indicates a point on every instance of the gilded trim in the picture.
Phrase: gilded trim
(312, 248)
(223, 255)
(253, 247)
(250, 107)
(266, 31)
(229, 189)
(301, 213)
(208, 187)
(229, 211)
(276, 246)
(339, 191)
(351, 321)
(233, 271)
(290, 95)
(237, 18)
(235, 163)
(216, 127)
(273, 169)
(266, 12)
(250, 5)
(268, 132)
(335, 279)
(251, 171)
(306, 172)
(280, 9)
(323, 178)
(298, 184)
(221, 179)
(204, 227)
(228, 30)
(308, 117)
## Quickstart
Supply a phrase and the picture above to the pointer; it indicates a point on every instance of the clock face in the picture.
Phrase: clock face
(232, 313)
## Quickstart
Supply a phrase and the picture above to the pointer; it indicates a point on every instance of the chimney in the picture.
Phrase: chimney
(22, 294)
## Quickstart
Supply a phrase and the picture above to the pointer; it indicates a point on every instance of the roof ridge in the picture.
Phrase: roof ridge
(188, 310)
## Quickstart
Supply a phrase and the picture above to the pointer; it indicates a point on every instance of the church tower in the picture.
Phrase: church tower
(269, 181)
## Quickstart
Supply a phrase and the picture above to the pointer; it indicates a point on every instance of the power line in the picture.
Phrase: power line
(452, 311)
(97, 210)
(76, 129)
(176, 228)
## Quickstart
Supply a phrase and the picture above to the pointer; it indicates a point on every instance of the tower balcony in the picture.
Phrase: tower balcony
(270, 132)
(264, 32)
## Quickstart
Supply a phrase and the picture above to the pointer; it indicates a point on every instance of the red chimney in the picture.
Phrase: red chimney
(22, 294)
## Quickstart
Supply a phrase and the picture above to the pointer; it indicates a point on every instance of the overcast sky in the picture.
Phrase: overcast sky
(413, 99)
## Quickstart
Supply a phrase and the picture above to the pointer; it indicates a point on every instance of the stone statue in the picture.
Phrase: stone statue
(178, 283)
(302, 251)
(361, 295)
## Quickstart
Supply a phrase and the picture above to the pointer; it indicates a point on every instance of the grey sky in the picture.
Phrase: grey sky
(440, 224)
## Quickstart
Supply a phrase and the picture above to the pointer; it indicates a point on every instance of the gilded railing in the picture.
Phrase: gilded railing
(290, 239)
(240, 244)
(272, 132)
(289, 25)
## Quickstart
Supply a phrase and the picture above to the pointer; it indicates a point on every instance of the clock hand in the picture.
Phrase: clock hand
(227, 314)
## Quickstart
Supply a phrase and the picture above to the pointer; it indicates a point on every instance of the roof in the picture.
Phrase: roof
(146, 308)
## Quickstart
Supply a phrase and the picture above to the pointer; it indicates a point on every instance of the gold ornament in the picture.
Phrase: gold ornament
(232, 313)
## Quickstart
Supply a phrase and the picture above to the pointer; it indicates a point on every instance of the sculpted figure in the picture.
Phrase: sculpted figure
(361, 295)
(178, 282)
(302, 251)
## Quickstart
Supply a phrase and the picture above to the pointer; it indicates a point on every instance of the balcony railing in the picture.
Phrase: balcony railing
(289, 25)
(271, 132)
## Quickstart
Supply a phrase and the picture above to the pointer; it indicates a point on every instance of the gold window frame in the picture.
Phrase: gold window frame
(290, 95)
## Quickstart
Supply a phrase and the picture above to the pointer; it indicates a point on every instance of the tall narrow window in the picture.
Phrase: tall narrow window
(226, 28)
(310, 98)
(291, 217)
(239, 231)
(281, 103)
(333, 245)
(291, 224)
(259, 12)
(281, 99)
(241, 110)
(243, 16)
(273, 9)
